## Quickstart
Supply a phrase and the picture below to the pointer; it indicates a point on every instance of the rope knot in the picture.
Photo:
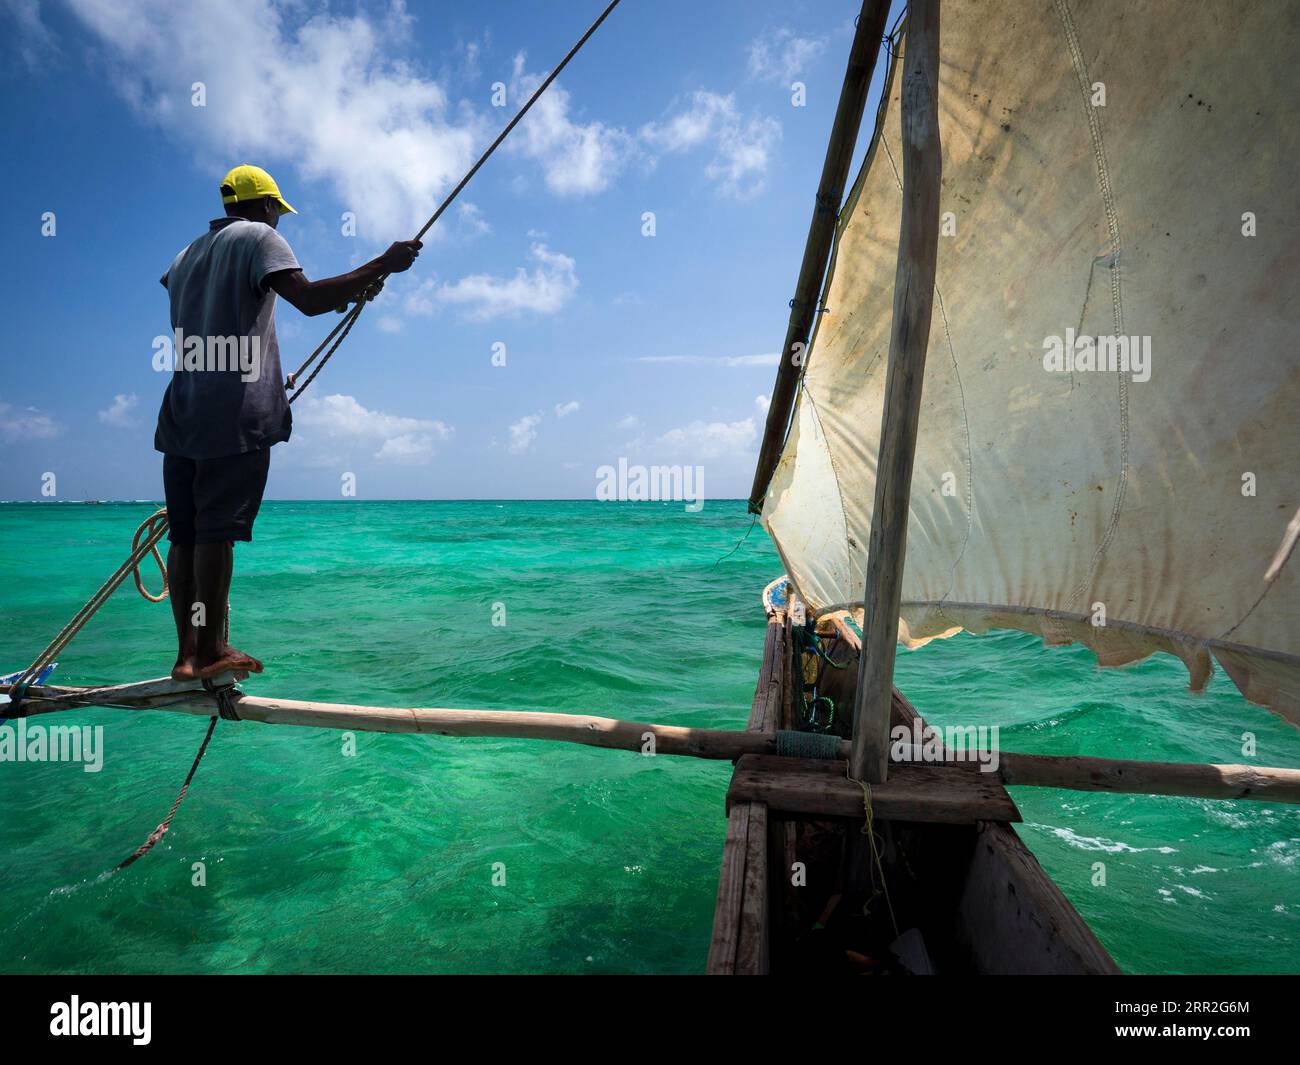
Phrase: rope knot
(224, 697)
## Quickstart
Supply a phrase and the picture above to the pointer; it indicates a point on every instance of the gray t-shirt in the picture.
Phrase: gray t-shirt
(227, 394)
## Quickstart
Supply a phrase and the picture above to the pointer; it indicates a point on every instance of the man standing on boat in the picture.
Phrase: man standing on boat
(226, 403)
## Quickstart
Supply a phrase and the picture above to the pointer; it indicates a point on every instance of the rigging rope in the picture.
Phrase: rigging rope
(144, 543)
(869, 830)
(345, 326)
(158, 833)
(738, 543)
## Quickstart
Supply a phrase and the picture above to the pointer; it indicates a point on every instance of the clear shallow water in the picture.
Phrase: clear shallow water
(384, 861)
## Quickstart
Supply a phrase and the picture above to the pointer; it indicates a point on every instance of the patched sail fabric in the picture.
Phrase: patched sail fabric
(1109, 445)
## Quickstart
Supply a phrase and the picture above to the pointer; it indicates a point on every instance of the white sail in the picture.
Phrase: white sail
(1127, 173)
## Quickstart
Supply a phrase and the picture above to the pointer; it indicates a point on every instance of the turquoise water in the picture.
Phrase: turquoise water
(385, 861)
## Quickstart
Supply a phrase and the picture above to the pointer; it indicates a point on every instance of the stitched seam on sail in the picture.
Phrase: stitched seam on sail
(1112, 225)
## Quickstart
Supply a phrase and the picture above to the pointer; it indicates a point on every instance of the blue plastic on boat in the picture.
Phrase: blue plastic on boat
(12, 678)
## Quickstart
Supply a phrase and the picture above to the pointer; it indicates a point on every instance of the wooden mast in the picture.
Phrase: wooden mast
(913, 300)
(821, 232)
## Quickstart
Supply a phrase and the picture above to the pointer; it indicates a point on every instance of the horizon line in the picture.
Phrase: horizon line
(408, 499)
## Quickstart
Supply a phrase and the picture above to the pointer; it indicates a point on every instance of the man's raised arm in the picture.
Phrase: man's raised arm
(329, 293)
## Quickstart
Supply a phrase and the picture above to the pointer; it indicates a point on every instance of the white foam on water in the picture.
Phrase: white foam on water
(1094, 843)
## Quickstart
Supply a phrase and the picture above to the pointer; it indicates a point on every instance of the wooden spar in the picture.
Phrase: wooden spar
(1075, 773)
(918, 245)
(513, 724)
(1081, 773)
(1261, 783)
(821, 232)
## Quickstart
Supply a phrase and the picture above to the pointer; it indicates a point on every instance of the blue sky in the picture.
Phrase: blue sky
(656, 349)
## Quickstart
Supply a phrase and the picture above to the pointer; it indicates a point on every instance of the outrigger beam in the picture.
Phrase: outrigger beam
(1259, 783)
(513, 724)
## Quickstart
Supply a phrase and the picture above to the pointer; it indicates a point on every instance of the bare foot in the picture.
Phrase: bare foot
(184, 669)
(229, 658)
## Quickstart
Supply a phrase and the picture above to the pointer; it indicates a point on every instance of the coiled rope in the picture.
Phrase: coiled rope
(143, 543)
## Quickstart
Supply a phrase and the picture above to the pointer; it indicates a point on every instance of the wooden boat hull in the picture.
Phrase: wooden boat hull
(979, 899)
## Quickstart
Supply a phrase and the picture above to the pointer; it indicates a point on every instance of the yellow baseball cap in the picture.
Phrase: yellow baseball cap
(252, 183)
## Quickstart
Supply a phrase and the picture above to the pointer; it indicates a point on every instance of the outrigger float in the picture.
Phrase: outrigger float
(1093, 177)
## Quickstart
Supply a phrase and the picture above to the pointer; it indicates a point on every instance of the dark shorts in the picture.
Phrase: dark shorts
(210, 501)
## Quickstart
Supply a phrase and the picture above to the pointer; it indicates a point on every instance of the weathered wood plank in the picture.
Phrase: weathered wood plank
(918, 245)
(1256, 783)
(952, 793)
(739, 944)
(1014, 919)
(47, 698)
(764, 714)
(731, 888)
(752, 939)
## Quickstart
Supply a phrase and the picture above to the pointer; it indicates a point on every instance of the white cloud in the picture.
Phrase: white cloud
(695, 125)
(523, 433)
(629, 423)
(741, 148)
(709, 440)
(120, 414)
(470, 52)
(576, 159)
(743, 153)
(782, 56)
(343, 420)
(35, 42)
(721, 360)
(472, 220)
(388, 324)
(762, 403)
(321, 92)
(543, 290)
(563, 410)
(423, 298)
(407, 449)
(26, 423)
